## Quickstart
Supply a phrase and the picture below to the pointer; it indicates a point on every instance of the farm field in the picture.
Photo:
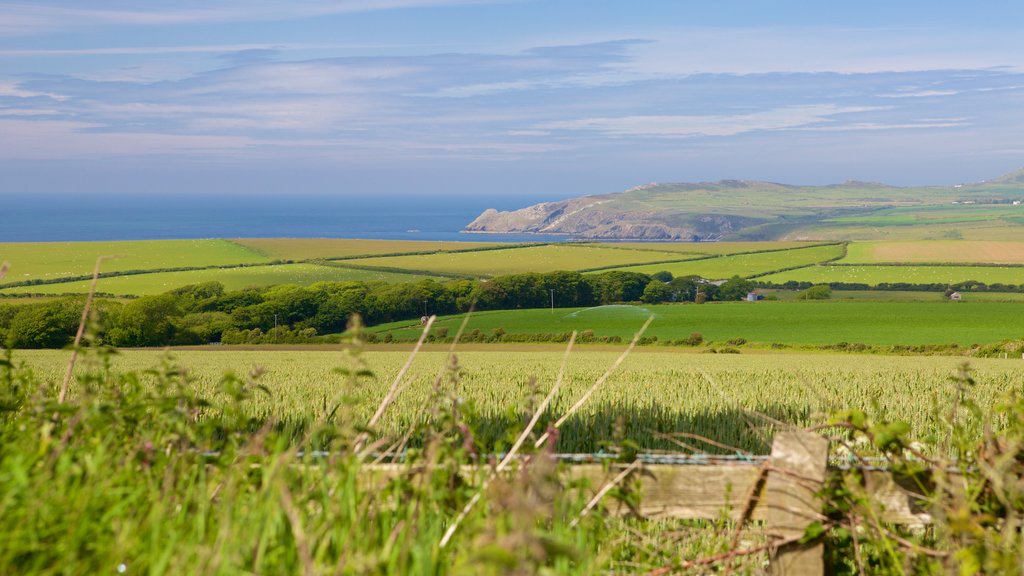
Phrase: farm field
(55, 260)
(232, 278)
(745, 265)
(708, 248)
(873, 275)
(809, 322)
(903, 296)
(999, 230)
(935, 214)
(546, 258)
(662, 392)
(938, 251)
(339, 248)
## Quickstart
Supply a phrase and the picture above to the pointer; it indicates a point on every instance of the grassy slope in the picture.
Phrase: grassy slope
(233, 279)
(882, 323)
(54, 260)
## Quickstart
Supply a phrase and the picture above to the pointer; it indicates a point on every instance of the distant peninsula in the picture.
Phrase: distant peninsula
(752, 210)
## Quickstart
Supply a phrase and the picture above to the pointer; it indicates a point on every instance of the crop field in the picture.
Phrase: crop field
(547, 258)
(745, 265)
(709, 248)
(873, 275)
(655, 392)
(951, 251)
(232, 278)
(338, 248)
(805, 322)
(54, 260)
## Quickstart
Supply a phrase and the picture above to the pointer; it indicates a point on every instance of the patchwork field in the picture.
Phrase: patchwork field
(873, 275)
(338, 248)
(409, 261)
(810, 322)
(951, 251)
(746, 265)
(697, 393)
(232, 278)
(55, 260)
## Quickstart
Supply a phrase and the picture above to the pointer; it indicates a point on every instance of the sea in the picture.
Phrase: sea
(54, 218)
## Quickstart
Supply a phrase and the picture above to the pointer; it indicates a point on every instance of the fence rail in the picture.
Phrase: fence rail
(779, 490)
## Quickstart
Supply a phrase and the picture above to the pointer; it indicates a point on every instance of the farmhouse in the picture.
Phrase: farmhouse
(955, 296)
(754, 297)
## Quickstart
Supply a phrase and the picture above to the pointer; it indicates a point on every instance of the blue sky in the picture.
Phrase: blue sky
(533, 98)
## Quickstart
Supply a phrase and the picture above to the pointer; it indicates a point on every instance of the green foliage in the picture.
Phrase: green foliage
(819, 292)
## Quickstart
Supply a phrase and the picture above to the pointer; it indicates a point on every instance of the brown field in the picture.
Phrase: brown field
(337, 248)
(953, 251)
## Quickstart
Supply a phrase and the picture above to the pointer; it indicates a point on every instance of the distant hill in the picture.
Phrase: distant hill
(752, 210)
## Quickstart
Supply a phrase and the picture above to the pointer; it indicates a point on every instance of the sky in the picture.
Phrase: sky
(537, 99)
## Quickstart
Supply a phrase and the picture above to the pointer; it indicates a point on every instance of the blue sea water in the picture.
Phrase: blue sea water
(66, 218)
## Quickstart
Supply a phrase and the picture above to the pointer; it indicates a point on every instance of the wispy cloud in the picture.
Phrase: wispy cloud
(20, 19)
(689, 126)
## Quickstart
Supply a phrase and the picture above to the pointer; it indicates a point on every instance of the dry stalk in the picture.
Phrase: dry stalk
(726, 555)
(603, 491)
(604, 377)
(396, 386)
(4, 267)
(515, 447)
(451, 349)
(81, 330)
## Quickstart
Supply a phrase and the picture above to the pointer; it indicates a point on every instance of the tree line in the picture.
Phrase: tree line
(207, 313)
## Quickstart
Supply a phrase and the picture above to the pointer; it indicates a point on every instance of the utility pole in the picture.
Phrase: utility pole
(552, 300)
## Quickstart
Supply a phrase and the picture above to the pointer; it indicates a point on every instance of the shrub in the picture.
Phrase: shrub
(819, 292)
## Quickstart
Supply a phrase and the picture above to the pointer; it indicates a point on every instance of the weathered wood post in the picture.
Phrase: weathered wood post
(797, 473)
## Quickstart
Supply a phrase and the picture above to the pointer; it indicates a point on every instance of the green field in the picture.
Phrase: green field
(547, 258)
(745, 265)
(708, 248)
(938, 214)
(232, 278)
(697, 393)
(339, 248)
(55, 260)
(812, 322)
(902, 296)
(873, 275)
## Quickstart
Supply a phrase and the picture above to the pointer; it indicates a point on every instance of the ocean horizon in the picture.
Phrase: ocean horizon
(78, 218)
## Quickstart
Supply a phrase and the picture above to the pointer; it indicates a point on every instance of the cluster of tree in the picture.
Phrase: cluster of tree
(664, 288)
(204, 313)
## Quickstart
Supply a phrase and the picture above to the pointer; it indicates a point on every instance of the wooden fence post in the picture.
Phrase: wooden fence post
(798, 463)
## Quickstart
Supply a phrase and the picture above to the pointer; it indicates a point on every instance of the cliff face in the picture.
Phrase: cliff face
(608, 217)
